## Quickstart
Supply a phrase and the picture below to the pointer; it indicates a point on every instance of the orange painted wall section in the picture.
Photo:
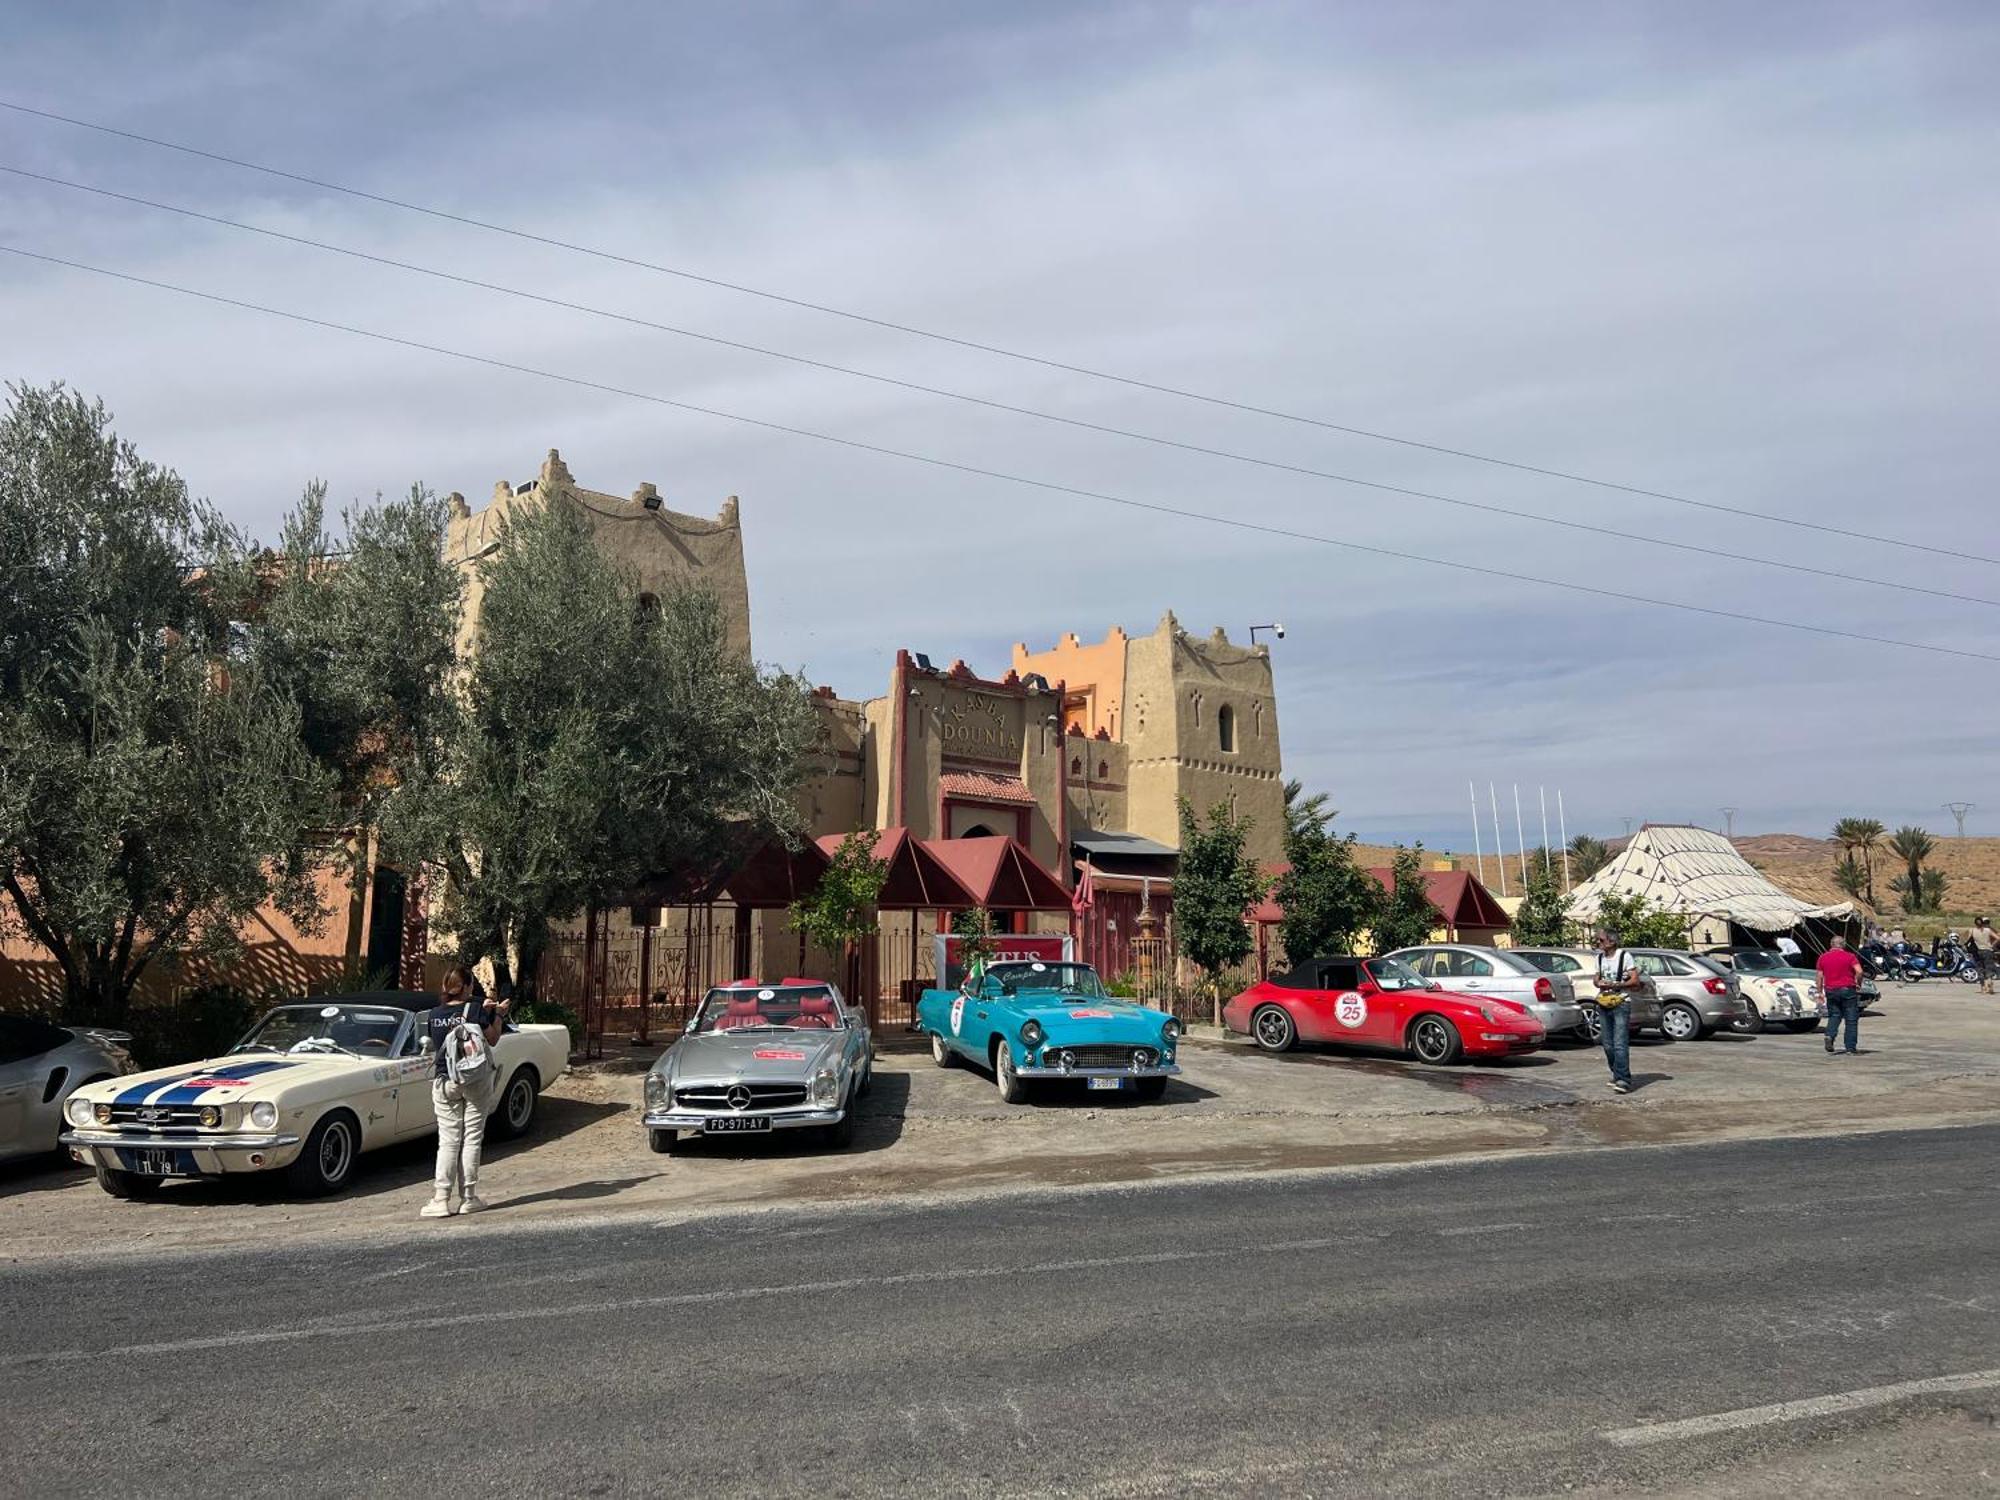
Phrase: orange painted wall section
(1093, 673)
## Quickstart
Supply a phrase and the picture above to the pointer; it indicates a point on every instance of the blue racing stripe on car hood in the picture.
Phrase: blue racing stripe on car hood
(200, 1083)
(138, 1091)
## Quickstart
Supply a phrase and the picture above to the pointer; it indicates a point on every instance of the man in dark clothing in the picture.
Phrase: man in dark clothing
(1840, 977)
(460, 1107)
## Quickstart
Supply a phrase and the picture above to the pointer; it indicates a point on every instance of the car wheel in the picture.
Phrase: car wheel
(662, 1141)
(1680, 1023)
(942, 1055)
(1435, 1040)
(1151, 1090)
(328, 1158)
(1593, 1025)
(1012, 1089)
(840, 1135)
(517, 1104)
(1750, 1023)
(127, 1184)
(1273, 1028)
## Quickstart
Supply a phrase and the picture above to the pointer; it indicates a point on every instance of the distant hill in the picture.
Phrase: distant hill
(1804, 866)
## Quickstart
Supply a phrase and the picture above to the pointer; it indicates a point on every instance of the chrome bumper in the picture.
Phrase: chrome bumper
(99, 1147)
(1163, 1070)
(792, 1119)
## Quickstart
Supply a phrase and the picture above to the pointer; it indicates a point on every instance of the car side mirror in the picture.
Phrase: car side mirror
(1432, 984)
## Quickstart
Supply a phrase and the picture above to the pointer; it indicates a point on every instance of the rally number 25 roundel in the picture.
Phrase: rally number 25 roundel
(1350, 1009)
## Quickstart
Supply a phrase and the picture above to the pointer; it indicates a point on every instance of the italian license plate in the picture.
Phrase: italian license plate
(1106, 1083)
(732, 1124)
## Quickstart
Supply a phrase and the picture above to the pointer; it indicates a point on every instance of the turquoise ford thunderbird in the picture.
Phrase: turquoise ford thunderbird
(1031, 1021)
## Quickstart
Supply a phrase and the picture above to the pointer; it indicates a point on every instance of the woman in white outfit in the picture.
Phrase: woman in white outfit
(461, 1108)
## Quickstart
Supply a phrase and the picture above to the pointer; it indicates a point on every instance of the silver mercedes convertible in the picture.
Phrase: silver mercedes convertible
(760, 1057)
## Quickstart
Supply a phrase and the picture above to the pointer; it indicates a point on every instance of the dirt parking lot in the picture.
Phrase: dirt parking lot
(1931, 1057)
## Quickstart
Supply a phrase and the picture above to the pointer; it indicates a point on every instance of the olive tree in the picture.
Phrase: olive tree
(155, 789)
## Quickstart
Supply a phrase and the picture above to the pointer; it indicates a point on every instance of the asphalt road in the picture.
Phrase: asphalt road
(1509, 1327)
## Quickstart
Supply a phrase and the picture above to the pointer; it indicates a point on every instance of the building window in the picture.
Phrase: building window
(1225, 727)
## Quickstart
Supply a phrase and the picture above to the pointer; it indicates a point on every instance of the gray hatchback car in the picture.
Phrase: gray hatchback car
(1696, 997)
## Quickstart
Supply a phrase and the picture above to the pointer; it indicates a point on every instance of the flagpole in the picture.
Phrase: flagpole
(1562, 830)
(1520, 838)
(1473, 792)
(1499, 849)
(1546, 870)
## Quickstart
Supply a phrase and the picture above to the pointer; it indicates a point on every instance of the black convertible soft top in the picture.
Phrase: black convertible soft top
(1343, 973)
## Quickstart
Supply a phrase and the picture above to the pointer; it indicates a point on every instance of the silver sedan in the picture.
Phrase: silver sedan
(1495, 973)
(41, 1065)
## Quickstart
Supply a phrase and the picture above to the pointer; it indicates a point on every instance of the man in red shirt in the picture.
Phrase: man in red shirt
(1840, 977)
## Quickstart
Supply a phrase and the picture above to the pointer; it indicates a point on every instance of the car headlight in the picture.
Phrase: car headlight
(1032, 1035)
(826, 1088)
(656, 1089)
(101, 1113)
(264, 1114)
(1170, 1033)
(78, 1111)
(210, 1117)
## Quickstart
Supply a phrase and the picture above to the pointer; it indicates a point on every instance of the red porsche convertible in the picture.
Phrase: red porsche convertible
(1381, 1004)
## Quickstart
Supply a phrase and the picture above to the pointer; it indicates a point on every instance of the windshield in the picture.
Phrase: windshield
(1394, 974)
(321, 1026)
(1763, 961)
(770, 1007)
(1069, 979)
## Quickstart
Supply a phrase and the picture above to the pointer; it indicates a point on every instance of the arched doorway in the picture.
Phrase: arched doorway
(976, 831)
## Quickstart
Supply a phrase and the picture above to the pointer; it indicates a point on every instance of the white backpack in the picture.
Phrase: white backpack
(468, 1060)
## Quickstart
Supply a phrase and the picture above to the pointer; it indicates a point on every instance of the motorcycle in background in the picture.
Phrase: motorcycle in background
(1945, 961)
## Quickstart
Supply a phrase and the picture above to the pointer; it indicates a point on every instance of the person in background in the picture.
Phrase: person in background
(1618, 979)
(1840, 977)
(1983, 941)
(1787, 946)
(460, 1108)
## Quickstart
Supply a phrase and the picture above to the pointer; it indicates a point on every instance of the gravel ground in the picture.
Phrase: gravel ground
(1932, 1056)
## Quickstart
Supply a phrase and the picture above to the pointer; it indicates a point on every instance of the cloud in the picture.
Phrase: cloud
(1716, 253)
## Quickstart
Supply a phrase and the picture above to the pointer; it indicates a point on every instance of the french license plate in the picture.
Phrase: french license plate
(153, 1161)
(1106, 1083)
(731, 1124)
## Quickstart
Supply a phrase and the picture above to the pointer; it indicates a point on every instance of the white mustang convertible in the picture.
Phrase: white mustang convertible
(314, 1084)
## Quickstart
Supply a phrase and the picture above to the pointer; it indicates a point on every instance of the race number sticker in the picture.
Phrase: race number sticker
(958, 1015)
(775, 1054)
(1350, 1009)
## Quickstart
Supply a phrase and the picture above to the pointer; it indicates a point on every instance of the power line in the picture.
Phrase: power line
(1133, 382)
(1047, 485)
(1076, 422)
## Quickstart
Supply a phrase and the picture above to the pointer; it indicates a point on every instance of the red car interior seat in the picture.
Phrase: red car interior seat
(742, 1011)
(816, 1010)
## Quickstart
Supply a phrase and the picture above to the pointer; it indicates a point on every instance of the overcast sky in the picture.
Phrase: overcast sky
(1743, 254)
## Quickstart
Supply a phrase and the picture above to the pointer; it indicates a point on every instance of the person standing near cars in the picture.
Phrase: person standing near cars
(1984, 941)
(1840, 977)
(460, 1107)
(1618, 979)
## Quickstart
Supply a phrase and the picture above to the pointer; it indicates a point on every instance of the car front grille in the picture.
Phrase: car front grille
(156, 1116)
(1097, 1057)
(762, 1096)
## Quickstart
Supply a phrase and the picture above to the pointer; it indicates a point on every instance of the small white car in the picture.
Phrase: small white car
(315, 1083)
(41, 1065)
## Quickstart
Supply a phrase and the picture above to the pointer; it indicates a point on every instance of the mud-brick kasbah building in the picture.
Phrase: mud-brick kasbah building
(1078, 752)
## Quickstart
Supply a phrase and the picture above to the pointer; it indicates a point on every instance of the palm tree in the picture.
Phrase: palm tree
(1860, 838)
(1588, 855)
(1851, 878)
(1913, 846)
(1303, 812)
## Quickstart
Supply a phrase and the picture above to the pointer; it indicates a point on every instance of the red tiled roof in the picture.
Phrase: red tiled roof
(1000, 873)
(982, 788)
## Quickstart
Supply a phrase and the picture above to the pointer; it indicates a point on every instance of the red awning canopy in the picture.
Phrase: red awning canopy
(999, 873)
(767, 877)
(918, 880)
(1459, 897)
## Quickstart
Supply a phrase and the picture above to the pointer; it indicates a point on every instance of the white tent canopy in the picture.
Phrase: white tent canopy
(1698, 874)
